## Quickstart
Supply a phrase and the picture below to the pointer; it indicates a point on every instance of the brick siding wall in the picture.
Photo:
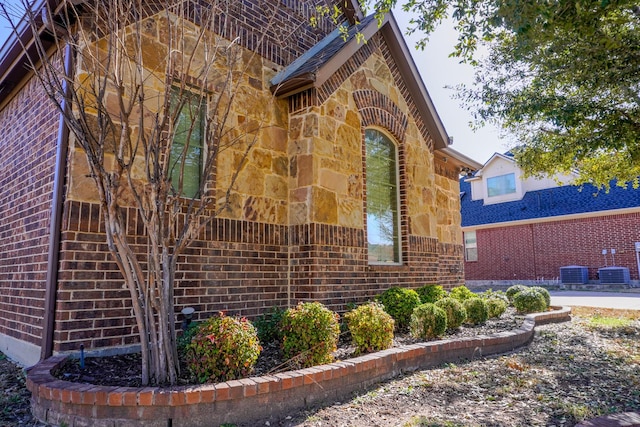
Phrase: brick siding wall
(238, 267)
(242, 267)
(288, 30)
(28, 133)
(534, 251)
(329, 263)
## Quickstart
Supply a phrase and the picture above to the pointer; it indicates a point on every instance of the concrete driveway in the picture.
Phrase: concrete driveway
(623, 300)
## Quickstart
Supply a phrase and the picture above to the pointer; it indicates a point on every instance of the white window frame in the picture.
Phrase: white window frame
(470, 246)
(507, 191)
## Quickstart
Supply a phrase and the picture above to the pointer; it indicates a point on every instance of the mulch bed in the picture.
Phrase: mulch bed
(125, 370)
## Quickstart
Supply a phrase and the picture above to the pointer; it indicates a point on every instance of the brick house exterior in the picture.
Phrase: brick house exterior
(296, 229)
(537, 226)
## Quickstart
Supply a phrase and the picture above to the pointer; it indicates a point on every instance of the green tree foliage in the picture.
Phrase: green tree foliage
(563, 78)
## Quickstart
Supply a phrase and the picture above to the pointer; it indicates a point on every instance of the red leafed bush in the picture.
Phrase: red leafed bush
(223, 348)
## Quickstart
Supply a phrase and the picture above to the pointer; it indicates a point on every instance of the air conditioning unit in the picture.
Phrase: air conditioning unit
(574, 275)
(614, 275)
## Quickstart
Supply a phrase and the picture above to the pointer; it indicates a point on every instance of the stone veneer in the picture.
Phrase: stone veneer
(295, 228)
(256, 399)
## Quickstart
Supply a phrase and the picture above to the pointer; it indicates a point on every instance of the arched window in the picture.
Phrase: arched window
(383, 216)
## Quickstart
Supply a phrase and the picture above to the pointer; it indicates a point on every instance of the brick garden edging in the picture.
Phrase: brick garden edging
(255, 399)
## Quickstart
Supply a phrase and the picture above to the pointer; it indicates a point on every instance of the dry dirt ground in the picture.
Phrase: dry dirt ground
(571, 372)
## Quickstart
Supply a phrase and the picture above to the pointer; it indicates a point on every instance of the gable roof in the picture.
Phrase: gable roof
(550, 202)
(506, 156)
(321, 62)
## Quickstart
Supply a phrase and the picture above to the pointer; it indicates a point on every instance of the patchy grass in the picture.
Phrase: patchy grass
(429, 422)
(587, 312)
(15, 406)
(608, 322)
(620, 326)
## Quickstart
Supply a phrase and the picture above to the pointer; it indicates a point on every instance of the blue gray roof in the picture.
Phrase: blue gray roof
(565, 200)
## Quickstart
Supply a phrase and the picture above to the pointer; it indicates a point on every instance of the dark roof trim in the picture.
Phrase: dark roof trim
(312, 69)
(352, 11)
(14, 62)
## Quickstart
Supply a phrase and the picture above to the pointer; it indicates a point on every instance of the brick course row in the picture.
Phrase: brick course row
(242, 268)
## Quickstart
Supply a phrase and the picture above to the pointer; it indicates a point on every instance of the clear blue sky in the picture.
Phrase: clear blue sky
(437, 71)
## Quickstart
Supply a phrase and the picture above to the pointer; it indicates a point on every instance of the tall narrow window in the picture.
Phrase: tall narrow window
(383, 230)
(186, 151)
(470, 246)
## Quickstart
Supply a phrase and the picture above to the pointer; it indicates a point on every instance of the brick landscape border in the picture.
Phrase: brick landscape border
(256, 399)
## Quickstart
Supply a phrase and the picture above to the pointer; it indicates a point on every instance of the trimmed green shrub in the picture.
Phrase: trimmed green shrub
(529, 301)
(185, 337)
(431, 293)
(428, 321)
(477, 312)
(399, 303)
(462, 293)
(310, 334)
(513, 290)
(268, 325)
(371, 327)
(456, 314)
(495, 307)
(489, 294)
(223, 348)
(544, 292)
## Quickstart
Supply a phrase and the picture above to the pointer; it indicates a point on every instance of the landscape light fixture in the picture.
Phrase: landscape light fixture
(187, 313)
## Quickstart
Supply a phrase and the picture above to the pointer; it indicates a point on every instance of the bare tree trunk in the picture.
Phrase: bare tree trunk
(124, 124)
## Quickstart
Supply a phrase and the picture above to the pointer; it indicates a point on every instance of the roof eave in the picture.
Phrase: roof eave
(462, 160)
(293, 85)
(352, 11)
(344, 54)
(407, 67)
(19, 47)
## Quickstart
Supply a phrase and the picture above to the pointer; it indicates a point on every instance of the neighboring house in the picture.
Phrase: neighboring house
(519, 228)
(297, 229)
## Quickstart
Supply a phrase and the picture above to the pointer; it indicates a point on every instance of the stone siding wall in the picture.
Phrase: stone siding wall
(295, 228)
(28, 134)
